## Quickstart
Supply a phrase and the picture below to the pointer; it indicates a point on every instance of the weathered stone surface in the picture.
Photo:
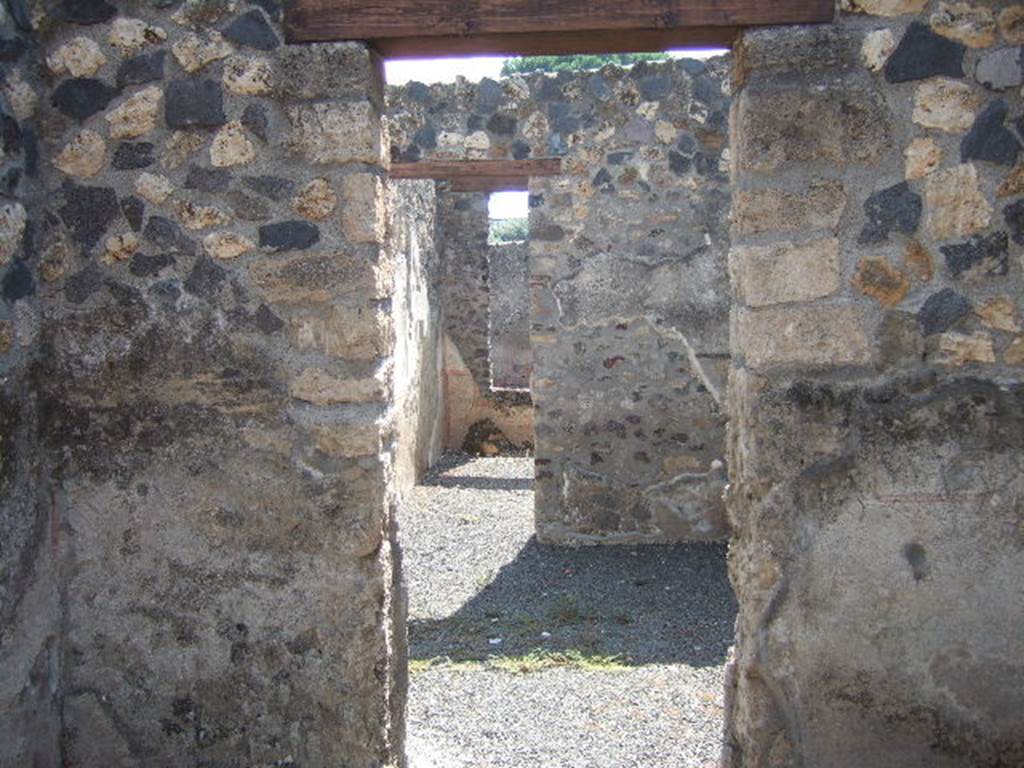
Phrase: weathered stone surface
(79, 57)
(945, 104)
(195, 216)
(153, 188)
(982, 254)
(877, 278)
(1011, 23)
(923, 156)
(137, 115)
(811, 336)
(206, 278)
(955, 204)
(1013, 184)
(348, 440)
(316, 200)
(133, 209)
(289, 236)
(838, 125)
(22, 97)
(141, 69)
(785, 272)
(1013, 214)
(877, 47)
(189, 103)
(180, 147)
(999, 313)
(319, 387)
(195, 51)
(896, 209)
(774, 210)
(122, 247)
(353, 333)
(248, 76)
(227, 245)
(13, 219)
(251, 29)
(82, 97)
(129, 36)
(989, 139)
(145, 265)
(85, 12)
(1014, 354)
(942, 310)
(88, 211)
(231, 146)
(1001, 69)
(255, 120)
(335, 133)
(922, 54)
(166, 235)
(972, 25)
(961, 349)
(918, 261)
(133, 155)
(84, 156)
(362, 212)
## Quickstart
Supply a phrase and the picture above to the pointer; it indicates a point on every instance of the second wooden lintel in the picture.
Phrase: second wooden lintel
(479, 175)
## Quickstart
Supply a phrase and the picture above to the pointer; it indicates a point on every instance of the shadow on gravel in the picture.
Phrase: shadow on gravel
(646, 605)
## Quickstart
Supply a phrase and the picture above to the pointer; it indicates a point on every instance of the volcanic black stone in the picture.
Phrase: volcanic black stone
(989, 139)
(254, 118)
(208, 179)
(425, 137)
(18, 282)
(597, 87)
(206, 278)
(82, 97)
(602, 177)
(10, 135)
(678, 163)
(133, 155)
(267, 321)
(289, 236)
(418, 92)
(144, 265)
(941, 311)
(145, 68)
(520, 149)
(989, 251)
(1014, 216)
(895, 209)
(922, 54)
(12, 49)
(474, 122)
(246, 207)
(9, 181)
(85, 12)
(253, 30)
(618, 158)
(167, 236)
(30, 149)
(271, 7)
(707, 90)
(488, 95)
(273, 187)
(166, 292)
(80, 287)
(192, 103)
(550, 89)
(134, 210)
(502, 124)
(410, 154)
(654, 87)
(88, 211)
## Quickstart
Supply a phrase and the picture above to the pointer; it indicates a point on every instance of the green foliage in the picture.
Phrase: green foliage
(524, 64)
(508, 231)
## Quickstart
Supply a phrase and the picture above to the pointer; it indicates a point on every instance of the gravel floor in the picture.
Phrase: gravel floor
(646, 629)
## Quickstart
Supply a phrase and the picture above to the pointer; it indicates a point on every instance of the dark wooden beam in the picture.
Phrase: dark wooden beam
(378, 20)
(480, 172)
(556, 43)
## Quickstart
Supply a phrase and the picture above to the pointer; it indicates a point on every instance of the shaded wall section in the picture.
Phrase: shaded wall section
(215, 379)
(876, 406)
(511, 356)
(628, 280)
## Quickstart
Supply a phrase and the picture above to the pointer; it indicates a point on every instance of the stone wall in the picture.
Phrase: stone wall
(511, 356)
(208, 572)
(629, 282)
(876, 405)
(419, 354)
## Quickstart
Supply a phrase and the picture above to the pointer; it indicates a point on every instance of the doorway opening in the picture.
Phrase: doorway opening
(583, 319)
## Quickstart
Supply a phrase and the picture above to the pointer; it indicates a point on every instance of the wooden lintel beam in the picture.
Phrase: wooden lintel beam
(325, 20)
(556, 43)
(484, 173)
